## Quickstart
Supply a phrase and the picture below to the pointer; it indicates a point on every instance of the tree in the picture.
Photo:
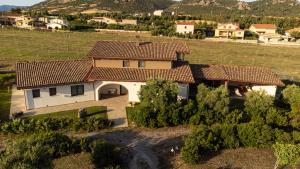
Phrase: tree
(201, 140)
(157, 94)
(257, 104)
(213, 104)
(216, 99)
(291, 95)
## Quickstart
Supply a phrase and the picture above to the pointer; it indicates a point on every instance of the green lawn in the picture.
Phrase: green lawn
(17, 45)
(5, 95)
(97, 112)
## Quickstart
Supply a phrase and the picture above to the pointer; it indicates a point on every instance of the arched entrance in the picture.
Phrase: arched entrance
(111, 90)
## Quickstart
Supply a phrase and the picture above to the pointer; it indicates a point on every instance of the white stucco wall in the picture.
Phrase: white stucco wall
(185, 29)
(270, 90)
(132, 87)
(63, 96)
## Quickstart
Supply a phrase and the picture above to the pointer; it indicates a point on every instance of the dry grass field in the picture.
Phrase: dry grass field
(17, 45)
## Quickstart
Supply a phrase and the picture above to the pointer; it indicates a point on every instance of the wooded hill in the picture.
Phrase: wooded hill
(93, 6)
(230, 7)
(192, 7)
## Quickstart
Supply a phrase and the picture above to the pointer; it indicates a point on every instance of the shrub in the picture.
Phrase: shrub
(255, 135)
(275, 117)
(159, 106)
(216, 99)
(257, 104)
(291, 95)
(236, 117)
(157, 94)
(35, 152)
(287, 154)
(104, 154)
(53, 124)
(282, 137)
(229, 136)
(201, 140)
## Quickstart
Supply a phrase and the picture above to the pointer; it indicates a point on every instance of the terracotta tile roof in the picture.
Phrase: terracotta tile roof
(136, 50)
(264, 26)
(244, 74)
(293, 30)
(37, 74)
(180, 73)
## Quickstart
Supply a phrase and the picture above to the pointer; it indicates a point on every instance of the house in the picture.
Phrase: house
(24, 22)
(57, 24)
(263, 28)
(185, 27)
(9, 19)
(273, 38)
(158, 12)
(103, 20)
(229, 30)
(290, 31)
(116, 68)
(113, 21)
(238, 79)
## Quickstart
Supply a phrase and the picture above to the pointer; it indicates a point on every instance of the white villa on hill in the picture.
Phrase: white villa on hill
(185, 27)
(263, 28)
(57, 24)
(115, 68)
(229, 30)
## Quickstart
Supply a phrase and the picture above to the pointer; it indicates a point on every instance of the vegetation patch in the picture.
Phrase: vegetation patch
(38, 151)
(92, 112)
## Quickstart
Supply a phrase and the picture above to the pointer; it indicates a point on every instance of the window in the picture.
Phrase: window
(126, 63)
(36, 93)
(77, 90)
(52, 91)
(141, 64)
(185, 27)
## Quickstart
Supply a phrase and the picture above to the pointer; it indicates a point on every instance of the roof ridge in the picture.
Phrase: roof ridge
(45, 61)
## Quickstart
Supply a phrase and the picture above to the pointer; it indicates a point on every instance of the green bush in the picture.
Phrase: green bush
(255, 135)
(282, 137)
(275, 117)
(53, 124)
(291, 95)
(215, 99)
(35, 152)
(287, 154)
(257, 104)
(199, 141)
(159, 106)
(104, 154)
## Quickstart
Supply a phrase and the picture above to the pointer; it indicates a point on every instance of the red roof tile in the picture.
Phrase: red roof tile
(264, 26)
(137, 51)
(181, 72)
(244, 74)
(37, 74)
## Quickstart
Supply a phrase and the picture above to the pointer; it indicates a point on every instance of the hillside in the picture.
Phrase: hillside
(192, 7)
(93, 6)
(229, 7)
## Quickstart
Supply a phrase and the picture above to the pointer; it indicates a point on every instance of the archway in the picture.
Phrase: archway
(111, 90)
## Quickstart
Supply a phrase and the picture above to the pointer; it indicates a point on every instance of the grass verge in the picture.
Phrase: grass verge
(95, 112)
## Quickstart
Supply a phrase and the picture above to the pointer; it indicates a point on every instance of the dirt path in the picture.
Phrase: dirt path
(143, 144)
